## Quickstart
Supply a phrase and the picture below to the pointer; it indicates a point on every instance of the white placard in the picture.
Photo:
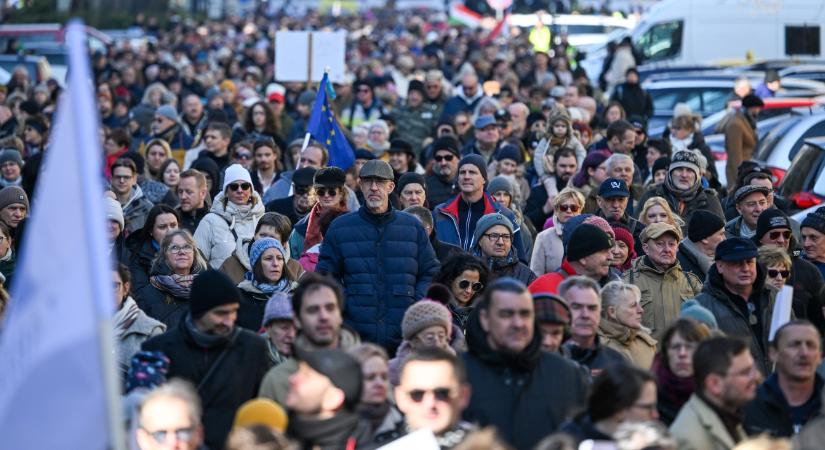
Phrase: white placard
(781, 310)
(419, 440)
(292, 55)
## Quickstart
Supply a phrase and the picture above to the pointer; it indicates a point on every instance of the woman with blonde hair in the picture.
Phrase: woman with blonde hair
(777, 265)
(548, 250)
(157, 151)
(621, 325)
(656, 209)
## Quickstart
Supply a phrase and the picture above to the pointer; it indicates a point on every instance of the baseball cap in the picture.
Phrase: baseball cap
(613, 187)
(736, 249)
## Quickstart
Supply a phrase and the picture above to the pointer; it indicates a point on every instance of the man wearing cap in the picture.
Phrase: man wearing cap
(613, 199)
(751, 201)
(297, 205)
(587, 254)
(741, 137)
(774, 228)
(663, 284)
(440, 183)
(383, 258)
(493, 237)
(11, 166)
(166, 126)
(813, 238)
(322, 401)
(455, 220)
(683, 187)
(206, 348)
(696, 253)
(553, 318)
(402, 157)
(736, 293)
(522, 391)
(279, 323)
(487, 139)
(417, 117)
(505, 123)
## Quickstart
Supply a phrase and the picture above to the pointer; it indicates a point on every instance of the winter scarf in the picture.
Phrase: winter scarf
(255, 252)
(174, 284)
(205, 340)
(330, 433)
(672, 389)
(374, 414)
(125, 316)
(684, 196)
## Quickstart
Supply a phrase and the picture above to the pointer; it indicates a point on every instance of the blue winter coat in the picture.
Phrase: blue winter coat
(385, 263)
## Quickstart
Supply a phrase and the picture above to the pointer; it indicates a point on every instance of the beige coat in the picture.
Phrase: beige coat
(548, 251)
(740, 141)
(663, 292)
(697, 427)
(637, 346)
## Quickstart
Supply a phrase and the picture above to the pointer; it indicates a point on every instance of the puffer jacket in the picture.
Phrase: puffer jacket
(548, 251)
(215, 237)
(385, 263)
(731, 312)
(706, 199)
(637, 346)
(526, 396)
(663, 292)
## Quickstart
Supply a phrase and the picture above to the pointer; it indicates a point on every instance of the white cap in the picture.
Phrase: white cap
(235, 172)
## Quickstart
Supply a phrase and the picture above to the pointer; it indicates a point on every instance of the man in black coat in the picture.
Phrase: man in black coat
(444, 170)
(207, 349)
(705, 231)
(297, 205)
(522, 391)
(634, 99)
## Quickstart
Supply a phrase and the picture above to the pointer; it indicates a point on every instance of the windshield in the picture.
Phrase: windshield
(661, 41)
(800, 171)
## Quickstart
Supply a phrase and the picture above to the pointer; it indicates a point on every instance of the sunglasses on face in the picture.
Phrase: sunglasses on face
(243, 155)
(441, 394)
(323, 191)
(464, 284)
(236, 186)
(569, 208)
(301, 190)
(773, 273)
(440, 158)
(774, 235)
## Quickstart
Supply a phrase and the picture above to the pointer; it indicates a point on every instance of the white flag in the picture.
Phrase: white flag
(53, 389)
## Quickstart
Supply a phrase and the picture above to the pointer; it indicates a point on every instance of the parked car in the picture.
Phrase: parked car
(804, 183)
(29, 33)
(37, 66)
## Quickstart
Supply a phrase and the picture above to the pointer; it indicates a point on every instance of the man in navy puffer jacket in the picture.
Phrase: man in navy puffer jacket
(382, 257)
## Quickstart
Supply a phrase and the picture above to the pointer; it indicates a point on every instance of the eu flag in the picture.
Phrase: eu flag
(324, 128)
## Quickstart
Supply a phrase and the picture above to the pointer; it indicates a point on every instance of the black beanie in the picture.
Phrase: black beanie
(210, 289)
(703, 224)
(770, 219)
(662, 163)
(586, 240)
(416, 85)
(476, 160)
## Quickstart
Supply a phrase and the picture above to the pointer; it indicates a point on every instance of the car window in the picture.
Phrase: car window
(666, 99)
(766, 146)
(818, 130)
(661, 41)
(799, 174)
(714, 100)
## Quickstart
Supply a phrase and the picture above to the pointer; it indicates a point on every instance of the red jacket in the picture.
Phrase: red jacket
(550, 282)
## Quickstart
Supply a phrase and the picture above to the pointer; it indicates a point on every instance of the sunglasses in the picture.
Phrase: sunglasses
(569, 208)
(774, 235)
(240, 155)
(322, 191)
(464, 284)
(301, 190)
(236, 186)
(441, 394)
(773, 273)
(447, 158)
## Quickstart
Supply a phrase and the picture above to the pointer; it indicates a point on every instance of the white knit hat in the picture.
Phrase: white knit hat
(114, 211)
(235, 172)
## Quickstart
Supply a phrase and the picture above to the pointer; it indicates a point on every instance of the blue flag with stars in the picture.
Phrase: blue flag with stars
(324, 128)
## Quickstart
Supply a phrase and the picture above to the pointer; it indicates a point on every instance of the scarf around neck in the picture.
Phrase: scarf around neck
(125, 317)
(174, 284)
(684, 196)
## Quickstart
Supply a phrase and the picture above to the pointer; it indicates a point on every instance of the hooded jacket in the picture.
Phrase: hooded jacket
(526, 396)
(219, 231)
(637, 346)
(663, 292)
(731, 312)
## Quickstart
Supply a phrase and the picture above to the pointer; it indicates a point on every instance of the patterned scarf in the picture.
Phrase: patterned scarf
(174, 284)
(125, 316)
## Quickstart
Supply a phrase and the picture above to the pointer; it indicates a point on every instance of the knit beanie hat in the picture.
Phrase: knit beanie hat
(440, 293)
(167, 111)
(815, 220)
(114, 211)
(623, 234)
(416, 85)
(703, 224)
(691, 309)
(411, 178)
(234, 173)
(770, 219)
(423, 314)
(12, 195)
(476, 160)
(261, 411)
(488, 221)
(278, 307)
(501, 183)
(686, 158)
(551, 309)
(448, 143)
(260, 246)
(342, 369)
(586, 240)
(11, 154)
(510, 152)
(210, 289)
(662, 163)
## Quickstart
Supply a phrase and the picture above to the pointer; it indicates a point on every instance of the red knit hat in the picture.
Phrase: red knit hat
(624, 235)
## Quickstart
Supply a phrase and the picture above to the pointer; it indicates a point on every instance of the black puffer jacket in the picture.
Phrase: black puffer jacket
(525, 396)
(731, 312)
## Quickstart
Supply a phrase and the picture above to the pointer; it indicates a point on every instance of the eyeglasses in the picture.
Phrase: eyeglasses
(569, 208)
(441, 394)
(324, 191)
(181, 434)
(495, 237)
(464, 284)
(773, 273)
(754, 204)
(121, 177)
(236, 186)
(447, 158)
(774, 235)
(301, 190)
(177, 249)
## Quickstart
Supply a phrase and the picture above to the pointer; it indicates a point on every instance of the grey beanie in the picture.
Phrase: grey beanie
(501, 183)
(691, 309)
(488, 221)
(11, 154)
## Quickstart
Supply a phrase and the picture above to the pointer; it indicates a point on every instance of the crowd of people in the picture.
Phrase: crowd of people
(510, 262)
